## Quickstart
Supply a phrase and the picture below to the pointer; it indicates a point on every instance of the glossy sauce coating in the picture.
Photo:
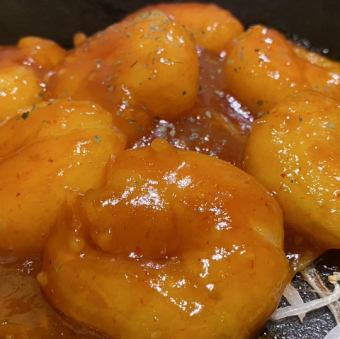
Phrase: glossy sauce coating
(22, 74)
(217, 124)
(24, 312)
(209, 120)
(222, 133)
(212, 26)
(180, 247)
(19, 90)
(263, 68)
(294, 151)
(140, 68)
(58, 147)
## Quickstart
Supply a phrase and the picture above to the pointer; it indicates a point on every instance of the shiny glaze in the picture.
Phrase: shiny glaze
(294, 151)
(140, 68)
(222, 134)
(58, 147)
(24, 313)
(19, 90)
(212, 26)
(263, 67)
(22, 72)
(217, 124)
(181, 247)
(35, 53)
(41, 54)
(213, 122)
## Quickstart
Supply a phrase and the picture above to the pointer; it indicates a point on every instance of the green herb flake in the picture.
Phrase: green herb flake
(330, 125)
(97, 139)
(193, 136)
(25, 115)
(144, 15)
(259, 103)
(300, 119)
(154, 28)
(262, 113)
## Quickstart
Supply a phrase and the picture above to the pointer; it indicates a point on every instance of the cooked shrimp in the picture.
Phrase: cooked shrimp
(294, 151)
(263, 68)
(57, 148)
(175, 244)
(45, 53)
(22, 71)
(212, 26)
(19, 90)
(138, 69)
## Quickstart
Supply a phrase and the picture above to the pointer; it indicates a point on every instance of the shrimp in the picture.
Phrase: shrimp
(263, 68)
(22, 72)
(294, 151)
(44, 53)
(141, 68)
(212, 26)
(59, 147)
(175, 244)
(19, 90)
